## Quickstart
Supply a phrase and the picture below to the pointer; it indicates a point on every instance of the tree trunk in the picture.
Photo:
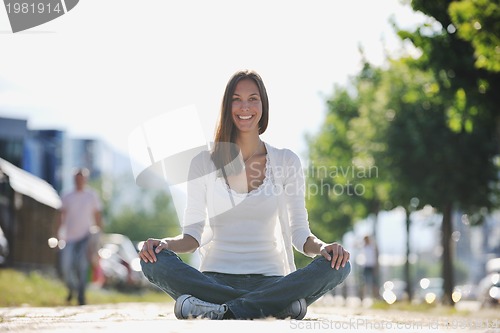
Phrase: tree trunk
(377, 271)
(447, 272)
(407, 275)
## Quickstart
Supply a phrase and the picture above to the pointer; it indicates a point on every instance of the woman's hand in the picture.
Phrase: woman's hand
(336, 254)
(151, 247)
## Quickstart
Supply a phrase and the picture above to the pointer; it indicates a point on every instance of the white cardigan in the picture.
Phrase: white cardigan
(289, 185)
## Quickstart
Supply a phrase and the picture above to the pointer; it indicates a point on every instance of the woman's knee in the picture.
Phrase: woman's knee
(337, 276)
(146, 267)
(150, 269)
(327, 265)
(346, 270)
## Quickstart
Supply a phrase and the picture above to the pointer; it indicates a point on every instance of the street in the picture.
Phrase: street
(159, 317)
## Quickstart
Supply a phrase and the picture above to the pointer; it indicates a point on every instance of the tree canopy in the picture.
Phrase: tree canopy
(428, 123)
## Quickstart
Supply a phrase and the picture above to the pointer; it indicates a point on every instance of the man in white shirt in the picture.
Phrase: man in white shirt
(80, 212)
(370, 268)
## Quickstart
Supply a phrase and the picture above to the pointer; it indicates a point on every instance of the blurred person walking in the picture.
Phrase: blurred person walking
(79, 219)
(370, 268)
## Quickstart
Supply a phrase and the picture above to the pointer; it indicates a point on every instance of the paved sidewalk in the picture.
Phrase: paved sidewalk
(159, 317)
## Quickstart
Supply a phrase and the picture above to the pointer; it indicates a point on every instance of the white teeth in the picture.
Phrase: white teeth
(245, 117)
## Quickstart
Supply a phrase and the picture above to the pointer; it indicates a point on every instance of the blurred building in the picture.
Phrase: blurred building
(28, 212)
(44, 155)
(475, 245)
(52, 156)
(13, 133)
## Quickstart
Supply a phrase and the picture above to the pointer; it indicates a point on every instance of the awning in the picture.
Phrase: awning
(25, 183)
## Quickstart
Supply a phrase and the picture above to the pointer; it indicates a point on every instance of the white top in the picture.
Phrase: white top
(244, 240)
(79, 209)
(370, 254)
(243, 236)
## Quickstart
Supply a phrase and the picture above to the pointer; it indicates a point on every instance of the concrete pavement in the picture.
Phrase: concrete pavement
(159, 317)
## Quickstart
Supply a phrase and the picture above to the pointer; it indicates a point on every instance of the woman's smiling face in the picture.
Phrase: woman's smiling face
(246, 106)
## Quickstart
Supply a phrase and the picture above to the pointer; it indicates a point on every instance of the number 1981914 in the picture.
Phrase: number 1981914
(32, 8)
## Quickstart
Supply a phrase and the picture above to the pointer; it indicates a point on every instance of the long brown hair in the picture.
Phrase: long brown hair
(225, 151)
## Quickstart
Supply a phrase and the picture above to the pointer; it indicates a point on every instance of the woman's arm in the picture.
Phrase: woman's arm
(180, 244)
(313, 246)
(302, 237)
(333, 252)
(194, 215)
(290, 170)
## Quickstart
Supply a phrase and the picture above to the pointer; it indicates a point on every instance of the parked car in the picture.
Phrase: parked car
(465, 292)
(489, 290)
(493, 265)
(4, 248)
(489, 286)
(394, 291)
(430, 290)
(120, 262)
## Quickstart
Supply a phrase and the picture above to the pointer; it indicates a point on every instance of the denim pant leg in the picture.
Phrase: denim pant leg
(82, 267)
(67, 264)
(177, 278)
(310, 283)
(75, 265)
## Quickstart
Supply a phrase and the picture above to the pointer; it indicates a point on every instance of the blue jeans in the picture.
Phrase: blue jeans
(75, 266)
(248, 296)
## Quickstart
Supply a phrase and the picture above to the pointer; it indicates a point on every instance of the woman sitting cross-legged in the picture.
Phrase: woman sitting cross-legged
(252, 196)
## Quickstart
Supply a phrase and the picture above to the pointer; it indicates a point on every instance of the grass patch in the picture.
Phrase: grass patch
(36, 289)
(432, 309)
(403, 306)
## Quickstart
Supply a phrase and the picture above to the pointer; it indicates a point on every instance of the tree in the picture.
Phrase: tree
(441, 167)
(141, 222)
(478, 22)
(136, 212)
(330, 158)
(457, 56)
(344, 182)
(468, 99)
(428, 122)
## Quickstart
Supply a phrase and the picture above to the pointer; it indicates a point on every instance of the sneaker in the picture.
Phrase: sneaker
(187, 306)
(296, 310)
